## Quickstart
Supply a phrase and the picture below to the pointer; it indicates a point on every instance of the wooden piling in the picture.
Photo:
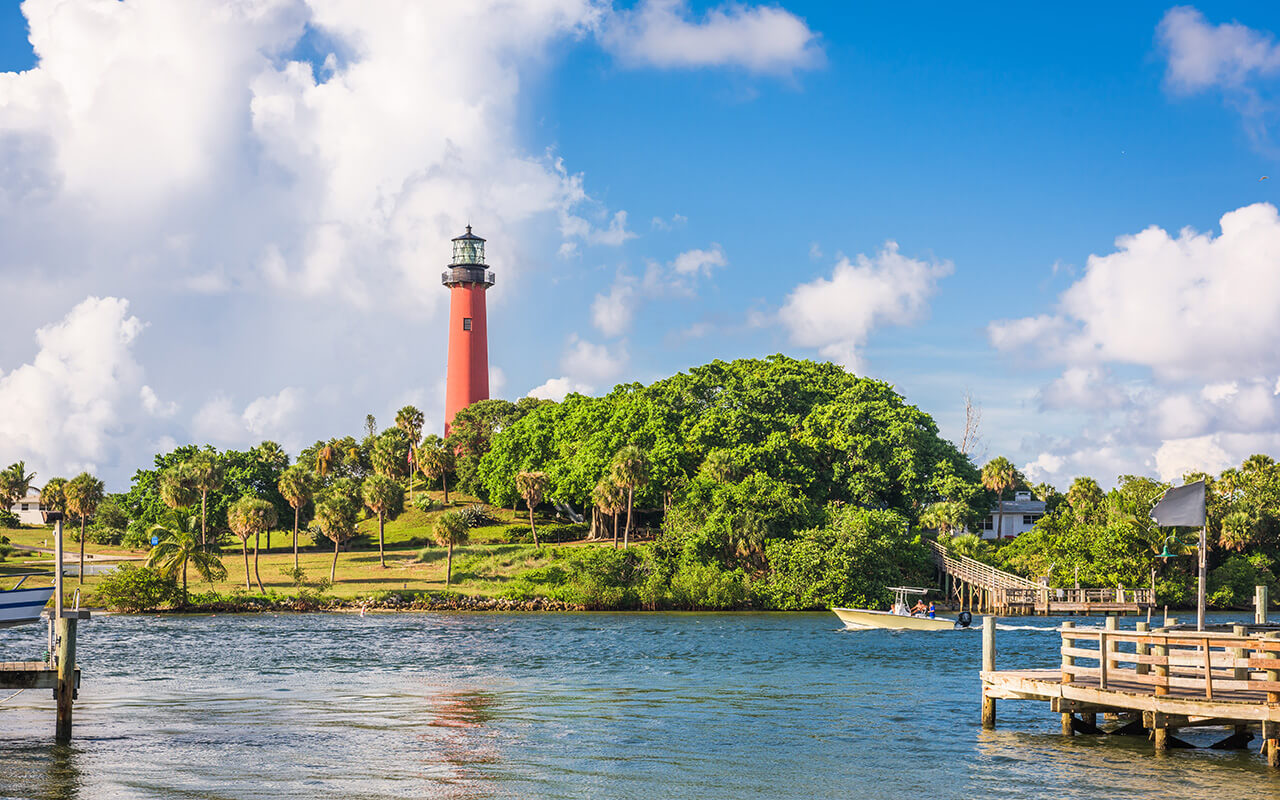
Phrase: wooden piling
(1260, 605)
(1239, 673)
(1142, 648)
(988, 665)
(1068, 661)
(66, 689)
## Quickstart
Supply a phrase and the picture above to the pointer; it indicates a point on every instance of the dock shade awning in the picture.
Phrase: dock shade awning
(1182, 506)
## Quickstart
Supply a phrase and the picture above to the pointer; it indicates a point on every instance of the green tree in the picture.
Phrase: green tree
(177, 488)
(1085, 498)
(944, 516)
(296, 486)
(84, 492)
(630, 471)
(410, 420)
(179, 547)
(384, 496)
(450, 529)
(532, 486)
(54, 494)
(436, 461)
(999, 475)
(336, 519)
(391, 453)
(250, 516)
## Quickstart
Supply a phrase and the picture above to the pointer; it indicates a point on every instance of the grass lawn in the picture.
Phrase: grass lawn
(481, 568)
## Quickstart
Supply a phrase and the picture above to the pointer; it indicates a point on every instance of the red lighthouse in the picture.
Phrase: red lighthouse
(467, 279)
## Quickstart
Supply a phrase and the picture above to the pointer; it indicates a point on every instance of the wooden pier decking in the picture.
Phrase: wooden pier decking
(31, 675)
(971, 584)
(1152, 682)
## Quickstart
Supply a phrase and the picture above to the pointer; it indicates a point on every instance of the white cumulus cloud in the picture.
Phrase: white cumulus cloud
(764, 39)
(837, 314)
(558, 388)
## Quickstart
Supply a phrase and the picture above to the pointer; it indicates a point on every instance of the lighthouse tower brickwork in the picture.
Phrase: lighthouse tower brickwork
(467, 278)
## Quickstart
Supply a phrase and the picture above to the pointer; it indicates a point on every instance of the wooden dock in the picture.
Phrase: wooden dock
(973, 585)
(31, 675)
(1152, 683)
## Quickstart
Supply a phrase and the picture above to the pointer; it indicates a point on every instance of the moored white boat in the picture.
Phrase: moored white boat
(899, 618)
(20, 606)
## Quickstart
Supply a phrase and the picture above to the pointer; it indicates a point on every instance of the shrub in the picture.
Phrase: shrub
(8, 519)
(477, 515)
(129, 587)
(136, 537)
(708, 587)
(1231, 585)
(600, 578)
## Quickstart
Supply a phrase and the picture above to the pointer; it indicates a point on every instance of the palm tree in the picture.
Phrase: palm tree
(324, 459)
(250, 516)
(1084, 497)
(609, 498)
(381, 494)
(435, 458)
(54, 494)
(176, 488)
(271, 454)
(83, 493)
(630, 471)
(999, 475)
(945, 516)
(532, 486)
(295, 486)
(179, 547)
(410, 420)
(204, 472)
(450, 529)
(15, 483)
(336, 519)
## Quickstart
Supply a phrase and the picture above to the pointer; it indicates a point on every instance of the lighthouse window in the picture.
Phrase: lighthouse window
(466, 323)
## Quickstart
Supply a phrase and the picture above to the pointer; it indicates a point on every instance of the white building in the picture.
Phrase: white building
(1020, 514)
(28, 508)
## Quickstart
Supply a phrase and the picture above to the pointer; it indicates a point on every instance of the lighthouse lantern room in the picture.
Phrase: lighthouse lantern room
(467, 278)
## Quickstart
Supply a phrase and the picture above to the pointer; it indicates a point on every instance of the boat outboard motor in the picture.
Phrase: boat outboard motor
(964, 619)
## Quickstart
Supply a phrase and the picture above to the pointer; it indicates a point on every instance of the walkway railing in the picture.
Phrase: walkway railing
(975, 572)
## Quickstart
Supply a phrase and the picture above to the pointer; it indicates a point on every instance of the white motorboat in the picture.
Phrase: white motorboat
(19, 606)
(899, 618)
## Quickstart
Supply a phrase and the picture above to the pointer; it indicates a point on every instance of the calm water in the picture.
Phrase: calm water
(564, 706)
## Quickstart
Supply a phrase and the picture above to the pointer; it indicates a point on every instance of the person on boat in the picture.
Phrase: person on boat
(932, 610)
(919, 608)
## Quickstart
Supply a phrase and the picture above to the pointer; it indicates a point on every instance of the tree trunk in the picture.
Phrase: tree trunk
(444, 480)
(204, 540)
(448, 567)
(626, 534)
(244, 547)
(382, 562)
(1000, 520)
(533, 527)
(184, 580)
(333, 570)
(80, 574)
(615, 531)
(256, 576)
(295, 537)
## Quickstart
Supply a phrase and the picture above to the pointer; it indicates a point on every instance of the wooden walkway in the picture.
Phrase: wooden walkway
(1153, 682)
(31, 675)
(971, 584)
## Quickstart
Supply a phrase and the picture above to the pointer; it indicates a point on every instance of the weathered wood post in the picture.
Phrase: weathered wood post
(1142, 648)
(988, 665)
(1068, 661)
(66, 689)
(1272, 744)
(1239, 673)
(1259, 605)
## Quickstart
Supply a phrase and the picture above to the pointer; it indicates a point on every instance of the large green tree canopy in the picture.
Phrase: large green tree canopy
(766, 443)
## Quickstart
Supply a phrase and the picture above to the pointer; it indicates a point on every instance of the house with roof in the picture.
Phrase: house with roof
(28, 508)
(1019, 516)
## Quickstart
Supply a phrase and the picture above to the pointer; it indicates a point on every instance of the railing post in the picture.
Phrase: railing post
(1142, 648)
(1239, 673)
(988, 665)
(1162, 670)
(1260, 605)
(1068, 661)
(1106, 646)
(1272, 745)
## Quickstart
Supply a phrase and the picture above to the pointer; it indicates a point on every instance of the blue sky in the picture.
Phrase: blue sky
(258, 249)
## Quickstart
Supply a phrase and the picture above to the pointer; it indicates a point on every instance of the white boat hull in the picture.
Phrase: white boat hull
(23, 606)
(861, 618)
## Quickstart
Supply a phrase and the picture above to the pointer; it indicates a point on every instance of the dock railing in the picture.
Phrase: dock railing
(1194, 662)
